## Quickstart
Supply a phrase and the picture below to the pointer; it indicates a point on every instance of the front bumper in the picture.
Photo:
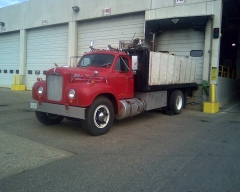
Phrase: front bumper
(69, 111)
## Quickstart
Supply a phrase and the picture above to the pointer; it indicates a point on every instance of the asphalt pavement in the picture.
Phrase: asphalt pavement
(193, 151)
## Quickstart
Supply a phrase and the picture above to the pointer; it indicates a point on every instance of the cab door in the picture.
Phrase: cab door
(123, 78)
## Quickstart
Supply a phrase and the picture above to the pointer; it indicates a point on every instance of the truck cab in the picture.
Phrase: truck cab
(102, 76)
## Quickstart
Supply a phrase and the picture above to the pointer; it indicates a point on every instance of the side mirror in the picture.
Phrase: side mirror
(134, 72)
(134, 62)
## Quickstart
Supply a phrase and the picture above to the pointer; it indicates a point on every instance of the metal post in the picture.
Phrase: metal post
(14, 79)
(212, 93)
(18, 79)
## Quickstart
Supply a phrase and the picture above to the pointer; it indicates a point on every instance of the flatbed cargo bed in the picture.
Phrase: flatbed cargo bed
(161, 71)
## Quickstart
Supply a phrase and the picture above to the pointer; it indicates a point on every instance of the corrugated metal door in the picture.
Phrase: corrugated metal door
(181, 42)
(9, 58)
(109, 31)
(45, 46)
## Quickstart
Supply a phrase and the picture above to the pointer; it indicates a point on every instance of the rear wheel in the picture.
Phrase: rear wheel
(99, 117)
(176, 102)
(48, 119)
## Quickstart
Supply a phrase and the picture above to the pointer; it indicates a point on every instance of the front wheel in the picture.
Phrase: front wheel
(176, 102)
(99, 117)
(48, 119)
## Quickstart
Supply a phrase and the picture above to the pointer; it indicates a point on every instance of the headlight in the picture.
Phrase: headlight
(40, 90)
(71, 94)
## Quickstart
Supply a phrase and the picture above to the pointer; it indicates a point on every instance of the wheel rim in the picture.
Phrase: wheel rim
(101, 116)
(179, 102)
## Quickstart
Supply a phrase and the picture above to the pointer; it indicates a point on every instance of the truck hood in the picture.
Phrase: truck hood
(81, 74)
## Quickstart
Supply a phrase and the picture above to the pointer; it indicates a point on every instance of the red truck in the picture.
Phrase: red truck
(108, 84)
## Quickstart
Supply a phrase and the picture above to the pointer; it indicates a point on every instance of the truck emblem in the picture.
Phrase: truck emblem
(106, 80)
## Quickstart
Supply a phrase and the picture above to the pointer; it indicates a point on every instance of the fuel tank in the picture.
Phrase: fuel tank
(130, 107)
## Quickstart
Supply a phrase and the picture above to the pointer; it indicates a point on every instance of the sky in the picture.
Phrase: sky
(4, 3)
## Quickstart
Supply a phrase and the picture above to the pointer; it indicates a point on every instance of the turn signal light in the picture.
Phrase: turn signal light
(91, 82)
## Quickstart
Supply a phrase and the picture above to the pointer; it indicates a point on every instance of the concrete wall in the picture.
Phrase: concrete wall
(169, 9)
(227, 90)
(31, 13)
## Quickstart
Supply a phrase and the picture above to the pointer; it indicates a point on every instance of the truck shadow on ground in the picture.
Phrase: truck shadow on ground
(73, 127)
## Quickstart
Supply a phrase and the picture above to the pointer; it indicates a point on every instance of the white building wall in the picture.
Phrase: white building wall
(9, 57)
(45, 46)
(30, 14)
(109, 31)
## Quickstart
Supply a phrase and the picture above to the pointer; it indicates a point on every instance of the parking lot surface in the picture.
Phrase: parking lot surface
(192, 151)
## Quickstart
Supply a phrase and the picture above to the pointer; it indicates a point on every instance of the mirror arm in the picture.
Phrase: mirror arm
(125, 63)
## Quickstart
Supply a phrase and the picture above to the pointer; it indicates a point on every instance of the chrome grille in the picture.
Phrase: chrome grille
(54, 87)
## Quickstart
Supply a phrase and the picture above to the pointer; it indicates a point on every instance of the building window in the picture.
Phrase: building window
(196, 53)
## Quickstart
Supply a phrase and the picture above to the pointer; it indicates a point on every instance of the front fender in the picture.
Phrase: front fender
(86, 93)
(34, 90)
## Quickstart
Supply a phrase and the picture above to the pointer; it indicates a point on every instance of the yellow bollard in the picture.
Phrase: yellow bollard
(16, 86)
(212, 106)
(212, 93)
(14, 79)
(18, 79)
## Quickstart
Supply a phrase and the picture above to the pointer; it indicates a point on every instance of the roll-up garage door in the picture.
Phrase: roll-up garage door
(181, 42)
(109, 31)
(9, 57)
(45, 46)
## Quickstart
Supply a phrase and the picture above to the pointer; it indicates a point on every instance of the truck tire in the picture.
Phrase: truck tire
(176, 102)
(99, 116)
(48, 119)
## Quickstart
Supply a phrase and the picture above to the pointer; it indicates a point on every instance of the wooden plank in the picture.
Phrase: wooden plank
(193, 71)
(163, 68)
(155, 69)
(188, 70)
(150, 69)
(170, 69)
(177, 67)
(183, 70)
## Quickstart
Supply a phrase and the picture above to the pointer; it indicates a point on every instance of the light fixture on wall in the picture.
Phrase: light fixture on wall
(2, 24)
(75, 8)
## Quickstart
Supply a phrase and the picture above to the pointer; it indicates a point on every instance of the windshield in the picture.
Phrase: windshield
(102, 60)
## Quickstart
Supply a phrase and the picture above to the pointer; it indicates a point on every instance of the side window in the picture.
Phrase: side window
(122, 65)
(85, 62)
